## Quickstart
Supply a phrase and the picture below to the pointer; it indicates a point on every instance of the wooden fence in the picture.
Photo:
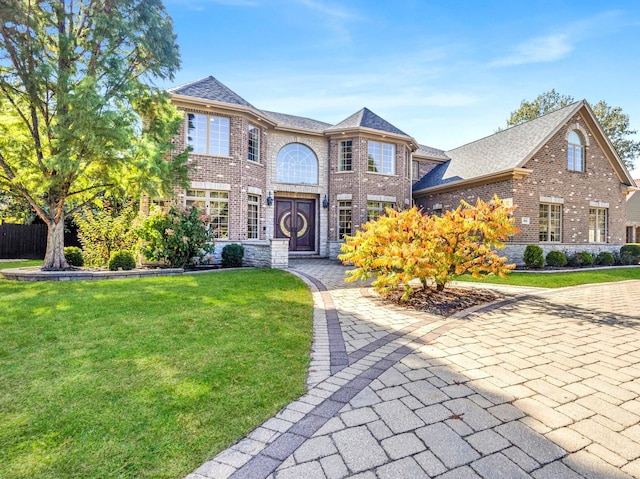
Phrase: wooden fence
(23, 241)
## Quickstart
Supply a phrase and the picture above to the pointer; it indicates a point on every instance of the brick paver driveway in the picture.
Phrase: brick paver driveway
(544, 385)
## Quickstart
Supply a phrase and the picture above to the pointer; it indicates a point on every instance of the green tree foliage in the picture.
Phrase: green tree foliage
(404, 245)
(101, 231)
(80, 116)
(177, 238)
(15, 209)
(613, 120)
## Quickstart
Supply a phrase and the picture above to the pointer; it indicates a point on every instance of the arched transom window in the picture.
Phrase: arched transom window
(297, 163)
(575, 152)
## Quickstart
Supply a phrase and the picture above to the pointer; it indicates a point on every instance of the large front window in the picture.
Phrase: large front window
(344, 218)
(381, 158)
(597, 225)
(208, 135)
(216, 205)
(375, 209)
(550, 222)
(345, 156)
(575, 152)
(297, 163)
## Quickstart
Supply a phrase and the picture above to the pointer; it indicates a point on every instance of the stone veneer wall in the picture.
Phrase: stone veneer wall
(257, 253)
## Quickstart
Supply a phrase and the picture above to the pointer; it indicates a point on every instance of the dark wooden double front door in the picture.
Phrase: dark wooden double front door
(296, 220)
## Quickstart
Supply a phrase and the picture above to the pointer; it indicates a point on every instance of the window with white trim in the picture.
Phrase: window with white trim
(375, 209)
(215, 204)
(253, 216)
(208, 134)
(297, 163)
(345, 155)
(381, 157)
(415, 170)
(598, 225)
(550, 222)
(575, 152)
(253, 150)
(344, 218)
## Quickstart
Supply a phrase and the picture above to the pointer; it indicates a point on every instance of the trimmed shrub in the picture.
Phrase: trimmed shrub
(580, 259)
(121, 260)
(630, 254)
(73, 255)
(605, 258)
(232, 255)
(178, 237)
(534, 257)
(556, 259)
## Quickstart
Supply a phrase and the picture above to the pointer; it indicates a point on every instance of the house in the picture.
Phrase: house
(633, 215)
(287, 186)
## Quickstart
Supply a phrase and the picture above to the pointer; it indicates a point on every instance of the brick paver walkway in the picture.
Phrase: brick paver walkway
(544, 385)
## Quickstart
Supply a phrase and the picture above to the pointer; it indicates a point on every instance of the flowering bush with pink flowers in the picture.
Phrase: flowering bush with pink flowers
(179, 237)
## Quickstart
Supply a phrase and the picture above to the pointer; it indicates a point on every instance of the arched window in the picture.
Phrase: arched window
(575, 152)
(297, 163)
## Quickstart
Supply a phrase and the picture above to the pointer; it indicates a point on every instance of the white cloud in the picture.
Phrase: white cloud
(199, 4)
(538, 50)
(325, 8)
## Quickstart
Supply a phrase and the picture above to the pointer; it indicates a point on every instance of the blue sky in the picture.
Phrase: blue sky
(445, 72)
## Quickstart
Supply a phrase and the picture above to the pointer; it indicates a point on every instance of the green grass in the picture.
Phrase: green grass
(20, 264)
(144, 378)
(560, 280)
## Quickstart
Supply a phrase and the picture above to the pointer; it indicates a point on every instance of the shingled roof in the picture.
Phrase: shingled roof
(505, 150)
(424, 150)
(285, 120)
(365, 118)
(210, 88)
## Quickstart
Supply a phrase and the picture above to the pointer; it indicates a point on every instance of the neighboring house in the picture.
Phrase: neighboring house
(633, 215)
(284, 185)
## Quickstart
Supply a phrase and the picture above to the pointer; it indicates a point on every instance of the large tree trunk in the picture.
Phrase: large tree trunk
(54, 259)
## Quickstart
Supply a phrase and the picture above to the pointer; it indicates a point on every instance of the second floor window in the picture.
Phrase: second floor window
(415, 170)
(297, 163)
(345, 156)
(254, 144)
(575, 152)
(208, 135)
(381, 158)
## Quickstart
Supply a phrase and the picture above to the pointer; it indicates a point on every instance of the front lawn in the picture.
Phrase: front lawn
(560, 280)
(20, 264)
(144, 378)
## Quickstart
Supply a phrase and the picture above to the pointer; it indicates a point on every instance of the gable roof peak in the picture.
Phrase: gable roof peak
(365, 118)
(210, 88)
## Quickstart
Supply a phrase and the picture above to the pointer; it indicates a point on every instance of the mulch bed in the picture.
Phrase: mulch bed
(443, 303)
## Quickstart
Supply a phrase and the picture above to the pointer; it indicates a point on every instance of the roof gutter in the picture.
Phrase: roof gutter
(227, 107)
(336, 132)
